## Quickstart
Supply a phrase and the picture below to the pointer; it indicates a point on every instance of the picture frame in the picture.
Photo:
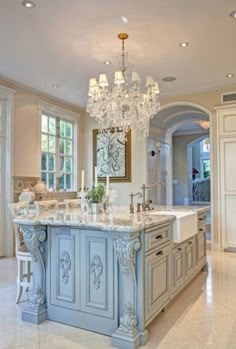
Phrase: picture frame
(112, 156)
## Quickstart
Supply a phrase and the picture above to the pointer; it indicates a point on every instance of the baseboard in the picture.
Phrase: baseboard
(230, 249)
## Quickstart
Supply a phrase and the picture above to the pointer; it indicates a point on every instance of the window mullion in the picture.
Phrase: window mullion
(57, 159)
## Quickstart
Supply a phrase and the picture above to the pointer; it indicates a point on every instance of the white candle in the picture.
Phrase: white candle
(95, 176)
(107, 186)
(82, 180)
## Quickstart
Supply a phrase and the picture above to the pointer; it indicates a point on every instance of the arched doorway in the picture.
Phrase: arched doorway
(171, 118)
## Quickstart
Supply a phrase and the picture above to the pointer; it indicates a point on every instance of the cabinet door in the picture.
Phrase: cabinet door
(157, 280)
(178, 263)
(190, 257)
(64, 268)
(97, 274)
(201, 247)
(228, 190)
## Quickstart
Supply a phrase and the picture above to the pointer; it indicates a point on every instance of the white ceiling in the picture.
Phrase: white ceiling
(66, 41)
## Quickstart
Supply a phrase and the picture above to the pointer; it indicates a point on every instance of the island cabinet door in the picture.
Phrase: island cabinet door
(190, 257)
(97, 274)
(201, 247)
(157, 281)
(178, 267)
(64, 268)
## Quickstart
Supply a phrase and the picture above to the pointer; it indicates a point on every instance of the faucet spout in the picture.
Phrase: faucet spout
(146, 205)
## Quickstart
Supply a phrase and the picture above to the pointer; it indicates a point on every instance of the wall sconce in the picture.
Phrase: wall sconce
(153, 153)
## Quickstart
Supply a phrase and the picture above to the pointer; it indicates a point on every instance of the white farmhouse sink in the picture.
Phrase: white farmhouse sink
(184, 226)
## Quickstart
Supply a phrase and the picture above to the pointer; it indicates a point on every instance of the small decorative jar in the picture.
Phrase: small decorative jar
(40, 187)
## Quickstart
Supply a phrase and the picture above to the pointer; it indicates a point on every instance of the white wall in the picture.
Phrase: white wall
(138, 164)
(26, 160)
(196, 157)
(152, 169)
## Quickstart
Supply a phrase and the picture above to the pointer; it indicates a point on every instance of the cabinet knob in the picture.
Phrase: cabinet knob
(160, 253)
(190, 242)
(179, 249)
(158, 237)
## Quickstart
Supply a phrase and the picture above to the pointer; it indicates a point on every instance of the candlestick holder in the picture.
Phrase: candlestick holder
(83, 201)
(107, 205)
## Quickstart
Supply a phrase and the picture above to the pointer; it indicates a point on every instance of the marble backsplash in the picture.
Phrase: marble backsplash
(20, 183)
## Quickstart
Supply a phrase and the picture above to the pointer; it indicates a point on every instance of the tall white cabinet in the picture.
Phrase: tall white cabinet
(226, 137)
(2, 176)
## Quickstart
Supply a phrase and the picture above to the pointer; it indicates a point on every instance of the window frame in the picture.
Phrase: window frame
(67, 116)
(202, 166)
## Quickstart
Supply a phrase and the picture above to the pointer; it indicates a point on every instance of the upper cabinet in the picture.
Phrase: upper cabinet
(226, 121)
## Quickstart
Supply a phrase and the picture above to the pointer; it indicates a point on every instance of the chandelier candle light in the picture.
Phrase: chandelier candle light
(124, 106)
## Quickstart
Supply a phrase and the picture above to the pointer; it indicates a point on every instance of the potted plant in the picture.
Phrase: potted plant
(95, 197)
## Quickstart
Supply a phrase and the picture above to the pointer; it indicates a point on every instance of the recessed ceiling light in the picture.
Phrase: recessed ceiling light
(229, 75)
(124, 19)
(28, 4)
(184, 44)
(55, 86)
(169, 79)
(107, 62)
(233, 14)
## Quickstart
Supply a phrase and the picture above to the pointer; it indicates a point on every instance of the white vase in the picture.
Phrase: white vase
(96, 208)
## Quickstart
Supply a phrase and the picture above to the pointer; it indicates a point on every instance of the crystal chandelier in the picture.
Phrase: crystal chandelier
(124, 106)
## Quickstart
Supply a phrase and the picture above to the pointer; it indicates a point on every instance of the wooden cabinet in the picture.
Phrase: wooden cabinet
(82, 279)
(65, 272)
(157, 280)
(97, 274)
(190, 258)
(226, 138)
(183, 264)
(178, 267)
(201, 247)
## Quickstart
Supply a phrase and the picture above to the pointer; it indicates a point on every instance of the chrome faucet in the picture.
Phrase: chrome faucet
(146, 204)
(131, 206)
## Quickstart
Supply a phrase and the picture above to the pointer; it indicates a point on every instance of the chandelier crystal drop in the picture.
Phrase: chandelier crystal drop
(123, 106)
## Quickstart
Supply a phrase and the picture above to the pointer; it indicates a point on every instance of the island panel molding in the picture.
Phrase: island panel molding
(96, 268)
(112, 156)
(65, 266)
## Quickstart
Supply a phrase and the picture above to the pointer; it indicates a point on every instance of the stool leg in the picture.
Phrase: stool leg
(28, 272)
(19, 280)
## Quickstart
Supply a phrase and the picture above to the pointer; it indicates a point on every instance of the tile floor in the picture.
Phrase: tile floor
(203, 316)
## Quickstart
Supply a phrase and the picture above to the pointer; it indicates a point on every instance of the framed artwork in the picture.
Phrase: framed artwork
(112, 156)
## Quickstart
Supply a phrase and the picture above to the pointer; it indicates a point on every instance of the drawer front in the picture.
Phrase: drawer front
(202, 229)
(157, 280)
(157, 236)
(202, 219)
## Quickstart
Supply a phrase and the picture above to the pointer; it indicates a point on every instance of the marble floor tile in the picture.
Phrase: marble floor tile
(203, 316)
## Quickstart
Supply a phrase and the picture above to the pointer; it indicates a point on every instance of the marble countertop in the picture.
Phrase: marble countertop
(119, 221)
